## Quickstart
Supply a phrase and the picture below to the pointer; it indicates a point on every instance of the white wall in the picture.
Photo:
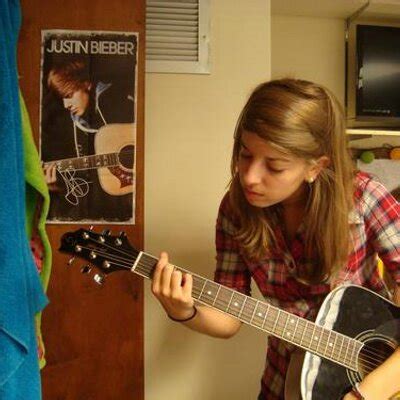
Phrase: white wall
(188, 138)
(309, 48)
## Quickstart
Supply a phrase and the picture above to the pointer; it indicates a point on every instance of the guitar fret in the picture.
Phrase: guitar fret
(258, 314)
(230, 301)
(309, 336)
(345, 348)
(339, 347)
(241, 309)
(352, 361)
(284, 332)
(236, 303)
(265, 317)
(276, 321)
(316, 337)
(290, 333)
(219, 288)
(295, 328)
(328, 343)
(202, 289)
(221, 298)
(208, 293)
(304, 330)
(254, 312)
(272, 318)
(334, 344)
(321, 342)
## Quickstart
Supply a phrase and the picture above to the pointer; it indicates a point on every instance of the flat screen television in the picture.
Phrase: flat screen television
(377, 92)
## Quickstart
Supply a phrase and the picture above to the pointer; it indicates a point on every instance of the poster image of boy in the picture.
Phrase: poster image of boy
(87, 140)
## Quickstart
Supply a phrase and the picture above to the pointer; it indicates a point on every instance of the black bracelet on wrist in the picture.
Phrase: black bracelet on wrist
(185, 319)
(356, 392)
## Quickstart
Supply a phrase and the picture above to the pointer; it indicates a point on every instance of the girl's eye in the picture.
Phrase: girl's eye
(275, 170)
(244, 155)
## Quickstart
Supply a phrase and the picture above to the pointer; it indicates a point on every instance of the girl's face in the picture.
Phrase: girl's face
(268, 176)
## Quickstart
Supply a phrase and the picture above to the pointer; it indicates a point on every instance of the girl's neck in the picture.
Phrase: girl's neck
(293, 211)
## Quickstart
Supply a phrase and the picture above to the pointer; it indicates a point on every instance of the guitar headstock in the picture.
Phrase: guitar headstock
(108, 253)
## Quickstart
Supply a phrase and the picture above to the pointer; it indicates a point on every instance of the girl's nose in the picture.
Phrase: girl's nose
(253, 174)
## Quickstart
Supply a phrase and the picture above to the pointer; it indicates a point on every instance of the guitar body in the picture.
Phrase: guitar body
(118, 138)
(361, 314)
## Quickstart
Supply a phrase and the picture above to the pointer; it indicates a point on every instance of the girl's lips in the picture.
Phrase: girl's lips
(251, 193)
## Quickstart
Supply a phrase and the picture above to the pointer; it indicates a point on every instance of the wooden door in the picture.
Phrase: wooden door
(93, 335)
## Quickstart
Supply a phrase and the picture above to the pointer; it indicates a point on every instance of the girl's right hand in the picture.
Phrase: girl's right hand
(173, 289)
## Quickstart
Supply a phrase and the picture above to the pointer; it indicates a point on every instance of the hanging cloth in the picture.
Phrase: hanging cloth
(37, 208)
(21, 291)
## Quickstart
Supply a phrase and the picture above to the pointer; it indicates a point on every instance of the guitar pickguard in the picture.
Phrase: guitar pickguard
(125, 178)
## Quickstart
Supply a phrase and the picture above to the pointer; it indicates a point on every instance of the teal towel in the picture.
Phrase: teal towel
(20, 287)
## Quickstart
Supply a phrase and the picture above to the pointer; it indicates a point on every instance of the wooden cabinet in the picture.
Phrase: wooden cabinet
(93, 335)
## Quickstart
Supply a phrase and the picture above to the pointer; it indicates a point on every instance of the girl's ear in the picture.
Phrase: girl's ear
(316, 166)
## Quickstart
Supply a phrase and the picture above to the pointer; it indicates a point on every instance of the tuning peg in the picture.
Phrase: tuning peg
(106, 232)
(99, 279)
(122, 235)
(91, 227)
(70, 261)
(86, 269)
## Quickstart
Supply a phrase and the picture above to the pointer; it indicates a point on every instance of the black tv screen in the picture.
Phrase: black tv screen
(378, 86)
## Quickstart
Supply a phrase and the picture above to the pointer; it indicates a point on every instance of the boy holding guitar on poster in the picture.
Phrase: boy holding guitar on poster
(299, 220)
(92, 105)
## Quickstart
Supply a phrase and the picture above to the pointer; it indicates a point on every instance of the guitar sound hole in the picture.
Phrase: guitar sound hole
(373, 354)
(127, 156)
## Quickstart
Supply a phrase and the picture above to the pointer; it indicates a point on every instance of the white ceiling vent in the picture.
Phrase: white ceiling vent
(177, 36)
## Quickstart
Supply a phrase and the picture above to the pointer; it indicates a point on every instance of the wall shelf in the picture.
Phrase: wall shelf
(375, 132)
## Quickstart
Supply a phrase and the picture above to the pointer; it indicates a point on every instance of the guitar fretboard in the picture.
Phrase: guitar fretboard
(86, 162)
(328, 344)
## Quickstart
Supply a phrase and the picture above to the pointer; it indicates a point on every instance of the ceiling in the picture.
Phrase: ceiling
(384, 9)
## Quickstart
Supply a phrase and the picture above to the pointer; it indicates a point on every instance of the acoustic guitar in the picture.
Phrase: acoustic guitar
(114, 159)
(355, 331)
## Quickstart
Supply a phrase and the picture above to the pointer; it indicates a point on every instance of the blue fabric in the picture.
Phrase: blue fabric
(21, 293)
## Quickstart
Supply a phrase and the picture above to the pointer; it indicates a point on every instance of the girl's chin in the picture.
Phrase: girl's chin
(261, 203)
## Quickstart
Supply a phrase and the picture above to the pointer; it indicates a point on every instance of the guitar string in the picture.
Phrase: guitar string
(151, 265)
(88, 156)
(373, 354)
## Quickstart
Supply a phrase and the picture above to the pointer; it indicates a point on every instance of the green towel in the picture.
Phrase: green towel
(36, 189)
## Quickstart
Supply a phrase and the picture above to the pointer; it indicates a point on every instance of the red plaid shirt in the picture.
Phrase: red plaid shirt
(375, 229)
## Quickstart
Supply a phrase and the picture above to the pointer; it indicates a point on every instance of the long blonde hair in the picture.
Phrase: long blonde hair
(305, 120)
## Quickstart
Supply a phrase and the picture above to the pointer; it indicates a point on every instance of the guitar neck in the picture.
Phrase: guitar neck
(323, 342)
(86, 162)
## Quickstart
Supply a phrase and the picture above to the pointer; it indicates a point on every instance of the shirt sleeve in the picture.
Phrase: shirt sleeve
(231, 269)
(382, 221)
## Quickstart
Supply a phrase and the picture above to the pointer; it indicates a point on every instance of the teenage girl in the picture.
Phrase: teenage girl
(298, 219)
